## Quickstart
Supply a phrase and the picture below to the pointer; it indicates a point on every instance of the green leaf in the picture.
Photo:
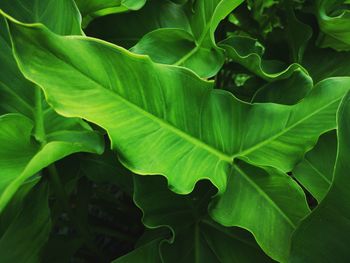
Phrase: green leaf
(267, 203)
(196, 238)
(325, 63)
(285, 91)
(15, 206)
(298, 35)
(315, 171)
(154, 15)
(61, 16)
(154, 132)
(248, 52)
(21, 157)
(58, 136)
(147, 248)
(185, 30)
(329, 222)
(90, 9)
(199, 52)
(29, 230)
(334, 21)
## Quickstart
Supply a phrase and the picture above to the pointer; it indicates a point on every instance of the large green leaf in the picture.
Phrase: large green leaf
(91, 9)
(21, 157)
(267, 203)
(171, 131)
(334, 20)
(58, 136)
(175, 34)
(315, 171)
(329, 223)
(195, 49)
(196, 238)
(170, 122)
(29, 230)
(61, 16)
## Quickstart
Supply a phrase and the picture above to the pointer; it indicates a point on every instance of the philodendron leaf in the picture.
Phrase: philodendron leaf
(268, 203)
(334, 20)
(285, 84)
(196, 238)
(147, 247)
(91, 9)
(325, 63)
(59, 136)
(329, 223)
(61, 16)
(154, 15)
(315, 171)
(248, 52)
(21, 157)
(200, 52)
(29, 230)
(171, 122)
(285, 91)
(173, 34)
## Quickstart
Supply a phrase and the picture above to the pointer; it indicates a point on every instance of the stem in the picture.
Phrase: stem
(63, 199)
(39, 129)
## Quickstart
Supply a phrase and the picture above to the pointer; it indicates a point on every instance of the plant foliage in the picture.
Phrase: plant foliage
(174, 131)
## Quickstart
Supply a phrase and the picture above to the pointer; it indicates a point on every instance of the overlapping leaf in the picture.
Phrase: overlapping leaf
(329, 222)
(334, 21)
(196, 237)
(205, 124)
(21, 157)
(178, 34)
(315, 172)
(186, 140)
(95, 8)
(267, 203)
(29, 229)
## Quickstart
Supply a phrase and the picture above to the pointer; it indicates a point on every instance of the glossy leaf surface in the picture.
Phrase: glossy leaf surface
(268, 203)
(168, 123)
(315, 171)
(22, 157)
(329, 222)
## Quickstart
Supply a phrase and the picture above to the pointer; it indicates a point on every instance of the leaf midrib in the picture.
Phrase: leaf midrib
(266, 141)
(313, 167)
(193, 140)
(265, 196)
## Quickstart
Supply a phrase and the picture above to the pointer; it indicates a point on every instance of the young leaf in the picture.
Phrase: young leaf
(91, 9)
(200, 52)
(334, 20)
(329, 222)
(174, 34)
